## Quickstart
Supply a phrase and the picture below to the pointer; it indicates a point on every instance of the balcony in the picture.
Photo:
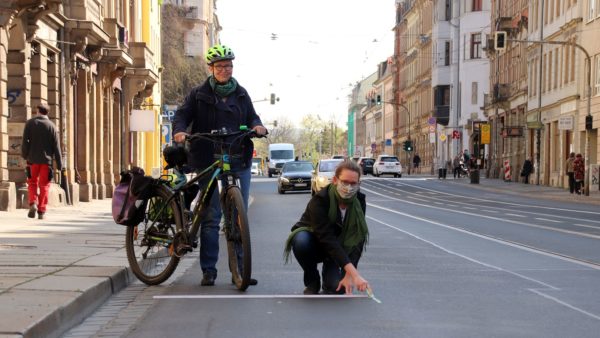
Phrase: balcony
(442, 114)
(501, 92)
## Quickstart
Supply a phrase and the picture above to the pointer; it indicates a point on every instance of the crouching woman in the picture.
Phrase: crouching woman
(333, 231)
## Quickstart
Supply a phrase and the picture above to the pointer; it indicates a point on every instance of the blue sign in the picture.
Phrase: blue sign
(388, 141)
(169, 112)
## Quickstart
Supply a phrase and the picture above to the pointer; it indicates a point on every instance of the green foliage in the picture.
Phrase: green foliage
(180, 73)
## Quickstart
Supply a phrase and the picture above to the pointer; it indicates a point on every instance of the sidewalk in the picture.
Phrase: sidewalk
(57, 271)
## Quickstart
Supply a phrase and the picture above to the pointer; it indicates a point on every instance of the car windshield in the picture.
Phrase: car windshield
(368, 161)
(289, 167)
(389, 159)
(328, 166)
(282, 154)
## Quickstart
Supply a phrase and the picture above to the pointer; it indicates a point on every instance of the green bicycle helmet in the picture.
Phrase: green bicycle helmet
(219, 53)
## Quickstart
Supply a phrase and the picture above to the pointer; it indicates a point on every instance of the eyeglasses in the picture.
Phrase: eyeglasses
(349, 184)
(223, 67)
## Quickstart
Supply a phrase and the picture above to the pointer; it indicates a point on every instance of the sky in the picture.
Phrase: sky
(323, 48)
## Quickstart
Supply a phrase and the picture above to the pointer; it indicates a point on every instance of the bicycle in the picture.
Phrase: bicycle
(169, 230)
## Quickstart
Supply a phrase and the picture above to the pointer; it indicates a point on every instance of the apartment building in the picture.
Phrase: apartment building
(459, 76)
(202, 25)
(414, 31)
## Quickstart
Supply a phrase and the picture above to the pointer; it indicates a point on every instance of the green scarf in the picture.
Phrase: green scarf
(354, 231)
(223, 90)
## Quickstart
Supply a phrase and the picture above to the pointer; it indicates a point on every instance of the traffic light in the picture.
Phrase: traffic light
(408, 145)
(378, 100)
(272, 98)
(500, 40)
(589, 121)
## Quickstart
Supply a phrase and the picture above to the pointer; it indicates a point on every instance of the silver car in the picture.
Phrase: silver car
(323, 174)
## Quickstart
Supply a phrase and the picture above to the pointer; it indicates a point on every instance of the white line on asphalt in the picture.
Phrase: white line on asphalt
(587, 226)
(515, 215)
(565, 304)
(454, 195)
(547, 220)
(492, 211)
(257, 296)
(490, 238)
(464, 256)
(576, 233)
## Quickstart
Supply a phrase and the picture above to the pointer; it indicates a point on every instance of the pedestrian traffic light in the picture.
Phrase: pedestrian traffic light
(378, 100)
(589, 121)
(408, 145)
(500, 40)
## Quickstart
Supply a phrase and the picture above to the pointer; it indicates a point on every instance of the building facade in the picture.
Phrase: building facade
(202, 25)
(97, 65)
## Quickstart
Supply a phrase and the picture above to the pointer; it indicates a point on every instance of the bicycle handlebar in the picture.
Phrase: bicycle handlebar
(223, 133)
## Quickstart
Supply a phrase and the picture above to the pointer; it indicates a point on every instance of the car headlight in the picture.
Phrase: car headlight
(284, 179)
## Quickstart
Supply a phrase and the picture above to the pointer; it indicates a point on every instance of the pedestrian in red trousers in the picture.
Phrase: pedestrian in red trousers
(40, 146)
(578, 173)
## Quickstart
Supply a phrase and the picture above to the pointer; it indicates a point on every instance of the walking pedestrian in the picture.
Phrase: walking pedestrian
(416, 161)
(40, 146)
(219, 103)
(456, 163)
(570, 172)
(333, 231)
(527, 170)
(578, 173)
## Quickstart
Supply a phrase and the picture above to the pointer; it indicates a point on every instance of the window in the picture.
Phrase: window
(556, 71)
(566, 65)
(448, 10)
(592, 11)
(447, 53)
(476, 46)
(474, 93)
(476, 5)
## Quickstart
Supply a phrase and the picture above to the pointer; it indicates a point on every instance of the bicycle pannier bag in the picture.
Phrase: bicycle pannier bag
(130, 197)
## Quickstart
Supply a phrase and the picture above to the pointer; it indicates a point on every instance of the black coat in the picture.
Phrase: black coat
(204, 111)
(527, 168)
(316, 216)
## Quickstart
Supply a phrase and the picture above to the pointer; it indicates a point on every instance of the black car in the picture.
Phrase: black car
(366, 164)
(295, 176)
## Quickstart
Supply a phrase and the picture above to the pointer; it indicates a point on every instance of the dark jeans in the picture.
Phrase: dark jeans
(456, 172)
(571, 182)
(526, 179)
(309, 253)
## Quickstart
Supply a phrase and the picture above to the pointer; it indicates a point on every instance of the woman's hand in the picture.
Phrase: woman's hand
(180, 137)
(351, 279)
(260, 130)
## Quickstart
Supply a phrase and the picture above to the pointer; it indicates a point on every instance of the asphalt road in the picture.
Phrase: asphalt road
(444, 259)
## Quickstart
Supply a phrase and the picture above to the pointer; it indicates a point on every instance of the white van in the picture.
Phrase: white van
(279, 153)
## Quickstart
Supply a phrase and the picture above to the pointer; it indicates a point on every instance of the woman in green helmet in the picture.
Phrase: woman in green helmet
(220, 102)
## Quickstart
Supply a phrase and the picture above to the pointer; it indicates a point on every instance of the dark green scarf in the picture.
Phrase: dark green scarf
(223, 90)
(354, 230)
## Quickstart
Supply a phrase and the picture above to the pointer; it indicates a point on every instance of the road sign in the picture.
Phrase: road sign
(456, 134)
(431, 121)
(443, 137)
(169, 112)
(432, 128)
(485, 133)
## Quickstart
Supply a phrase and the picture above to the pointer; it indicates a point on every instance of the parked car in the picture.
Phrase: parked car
(336, 157)
(366, 164)
(323, 174)
(295, 175)
(386, 164)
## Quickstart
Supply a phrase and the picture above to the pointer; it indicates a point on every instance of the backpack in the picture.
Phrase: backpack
(130, 197)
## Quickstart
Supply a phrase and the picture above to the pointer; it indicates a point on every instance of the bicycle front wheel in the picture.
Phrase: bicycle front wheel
(151, 244)
(237, 234)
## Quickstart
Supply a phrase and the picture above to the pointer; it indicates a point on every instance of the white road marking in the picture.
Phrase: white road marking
(547, 220)
(587, 226)
(516, 215)
(258, 296)
(554, 299)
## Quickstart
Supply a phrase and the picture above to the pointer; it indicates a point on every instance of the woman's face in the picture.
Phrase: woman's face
(222, 70)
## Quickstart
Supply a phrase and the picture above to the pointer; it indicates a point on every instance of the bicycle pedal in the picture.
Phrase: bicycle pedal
(194, 244)
(182, 249)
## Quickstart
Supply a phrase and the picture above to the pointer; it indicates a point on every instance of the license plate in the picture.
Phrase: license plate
(389, 167)
(300, 184)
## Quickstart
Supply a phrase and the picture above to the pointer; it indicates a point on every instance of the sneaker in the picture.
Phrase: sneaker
(32, 211)
(312, 289)
(41, 215)
(208, 279)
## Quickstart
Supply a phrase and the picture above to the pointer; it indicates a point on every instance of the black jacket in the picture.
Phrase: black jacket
(40, 142)
(316, 217)
(205, 111)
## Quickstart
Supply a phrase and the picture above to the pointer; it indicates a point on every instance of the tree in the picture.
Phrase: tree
(180, 73)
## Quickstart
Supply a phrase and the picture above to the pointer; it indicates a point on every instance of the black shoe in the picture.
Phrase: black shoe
(41, 215)
(32, 211)
(327, 291)
(312, 288)
(252, 281)
(208, 279)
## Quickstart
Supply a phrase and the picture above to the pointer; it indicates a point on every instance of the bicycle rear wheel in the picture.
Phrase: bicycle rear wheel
(150, 244)
(237, 234)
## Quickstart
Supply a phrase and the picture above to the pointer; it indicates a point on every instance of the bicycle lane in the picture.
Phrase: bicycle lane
(55, 272)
